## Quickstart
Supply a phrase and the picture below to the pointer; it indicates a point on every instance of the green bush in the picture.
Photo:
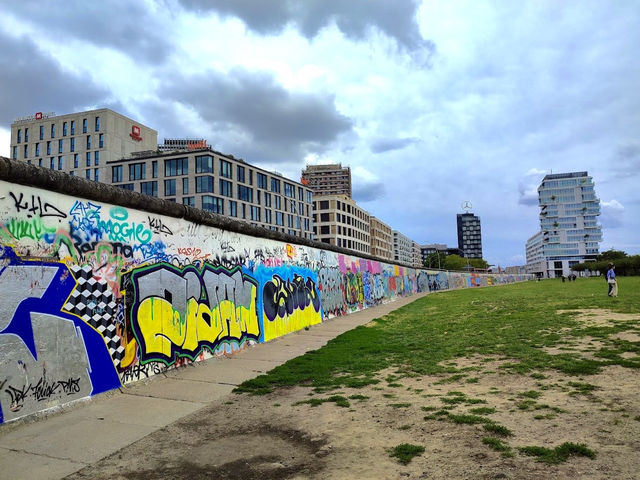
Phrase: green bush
(626, 266)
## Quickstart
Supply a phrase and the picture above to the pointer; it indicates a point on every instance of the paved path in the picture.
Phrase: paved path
(57, 445)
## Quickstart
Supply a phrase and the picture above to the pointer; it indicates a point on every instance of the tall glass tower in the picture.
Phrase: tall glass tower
(569, 231)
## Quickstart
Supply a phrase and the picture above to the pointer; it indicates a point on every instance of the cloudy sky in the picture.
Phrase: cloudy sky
(430, 103)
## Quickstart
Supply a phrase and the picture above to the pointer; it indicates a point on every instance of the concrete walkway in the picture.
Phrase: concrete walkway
(80, 435)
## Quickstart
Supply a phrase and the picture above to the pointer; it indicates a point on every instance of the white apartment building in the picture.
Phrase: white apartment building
(339, 221)
(569, 231)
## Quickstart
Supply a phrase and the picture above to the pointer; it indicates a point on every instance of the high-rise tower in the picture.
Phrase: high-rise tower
(569, 231)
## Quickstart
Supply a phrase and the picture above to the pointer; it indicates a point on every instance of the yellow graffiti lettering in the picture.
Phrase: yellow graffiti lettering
(164, 331)
(298, 320)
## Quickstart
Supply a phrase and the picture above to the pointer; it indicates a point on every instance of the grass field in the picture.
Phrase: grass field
(519, 323)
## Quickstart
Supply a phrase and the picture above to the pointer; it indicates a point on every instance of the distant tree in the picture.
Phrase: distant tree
(611, 254)
(455, 262)
(479, 263)
(435, 260)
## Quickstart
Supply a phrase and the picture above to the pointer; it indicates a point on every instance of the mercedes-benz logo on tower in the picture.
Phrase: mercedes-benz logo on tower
(466, 205)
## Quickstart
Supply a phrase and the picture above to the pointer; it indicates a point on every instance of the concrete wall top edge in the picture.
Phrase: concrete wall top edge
(20, 172)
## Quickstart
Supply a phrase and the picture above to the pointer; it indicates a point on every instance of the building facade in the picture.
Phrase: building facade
(569, 231)
(402, 248)
(339, 221)
(79, 143)
(221, 184)
(469, 235)
(331, 179)
(381, 239)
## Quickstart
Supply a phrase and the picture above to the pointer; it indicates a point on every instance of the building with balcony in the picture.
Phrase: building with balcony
(221, 184)
(569, 231)
(79, 143)
(339, 221)
(402, 248)
(331, 179)
(381, 239)
(469, 235)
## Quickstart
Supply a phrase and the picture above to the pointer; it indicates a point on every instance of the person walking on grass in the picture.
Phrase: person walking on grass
(611, 280)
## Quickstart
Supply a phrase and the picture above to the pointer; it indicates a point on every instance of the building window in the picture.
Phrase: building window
(233, 208)
(240, 172)
(39, 162)
(37, 154)
(250, 177)
(14, 153)
(176, 166)
(225, 169)
(261, 179)
(300, 194)
(226, 188)
(245, 193)
(96, 175)
(154, 169)
(72, 144)
(116, 173)
(96, 158)
(127, 186)
(101, 140)
(73, 127)
(191, 201)
(64, 129)
(309, 196)
(267, 199)
(185, 186)
(149, 188)
(72, 173)
(60, 146)
(19, 139)
(170, 187)
(213, 204)
(97, 124)
(278, 205)
(267, 216)
(255, 213)
(87, 174)
(48, 147)
(204, 164)
(87, 159)
(41, 132)
(84, 125)
(26, 135)
(137, 171)
(88, 142)
(289, 190)
(53, 131)
(204, 184)
(26, 151)
(60, 162)
(275, 185)
(280, 218)
(76, 160)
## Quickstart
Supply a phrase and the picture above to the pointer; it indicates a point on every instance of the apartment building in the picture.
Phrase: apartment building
(339, 221)
(381, 239)
(221, 184)
(469, 235)
(79, 143)
(569, 231)
(402, 248)
(333, 179)
(416, 257)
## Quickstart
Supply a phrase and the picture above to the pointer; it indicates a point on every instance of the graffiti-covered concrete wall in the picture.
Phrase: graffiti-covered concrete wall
(96, 294)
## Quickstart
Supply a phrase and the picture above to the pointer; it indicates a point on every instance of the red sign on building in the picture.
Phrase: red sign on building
(39, 116)
(135, 133)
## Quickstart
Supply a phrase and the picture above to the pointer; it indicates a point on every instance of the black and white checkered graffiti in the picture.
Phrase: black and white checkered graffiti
(93, 301)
